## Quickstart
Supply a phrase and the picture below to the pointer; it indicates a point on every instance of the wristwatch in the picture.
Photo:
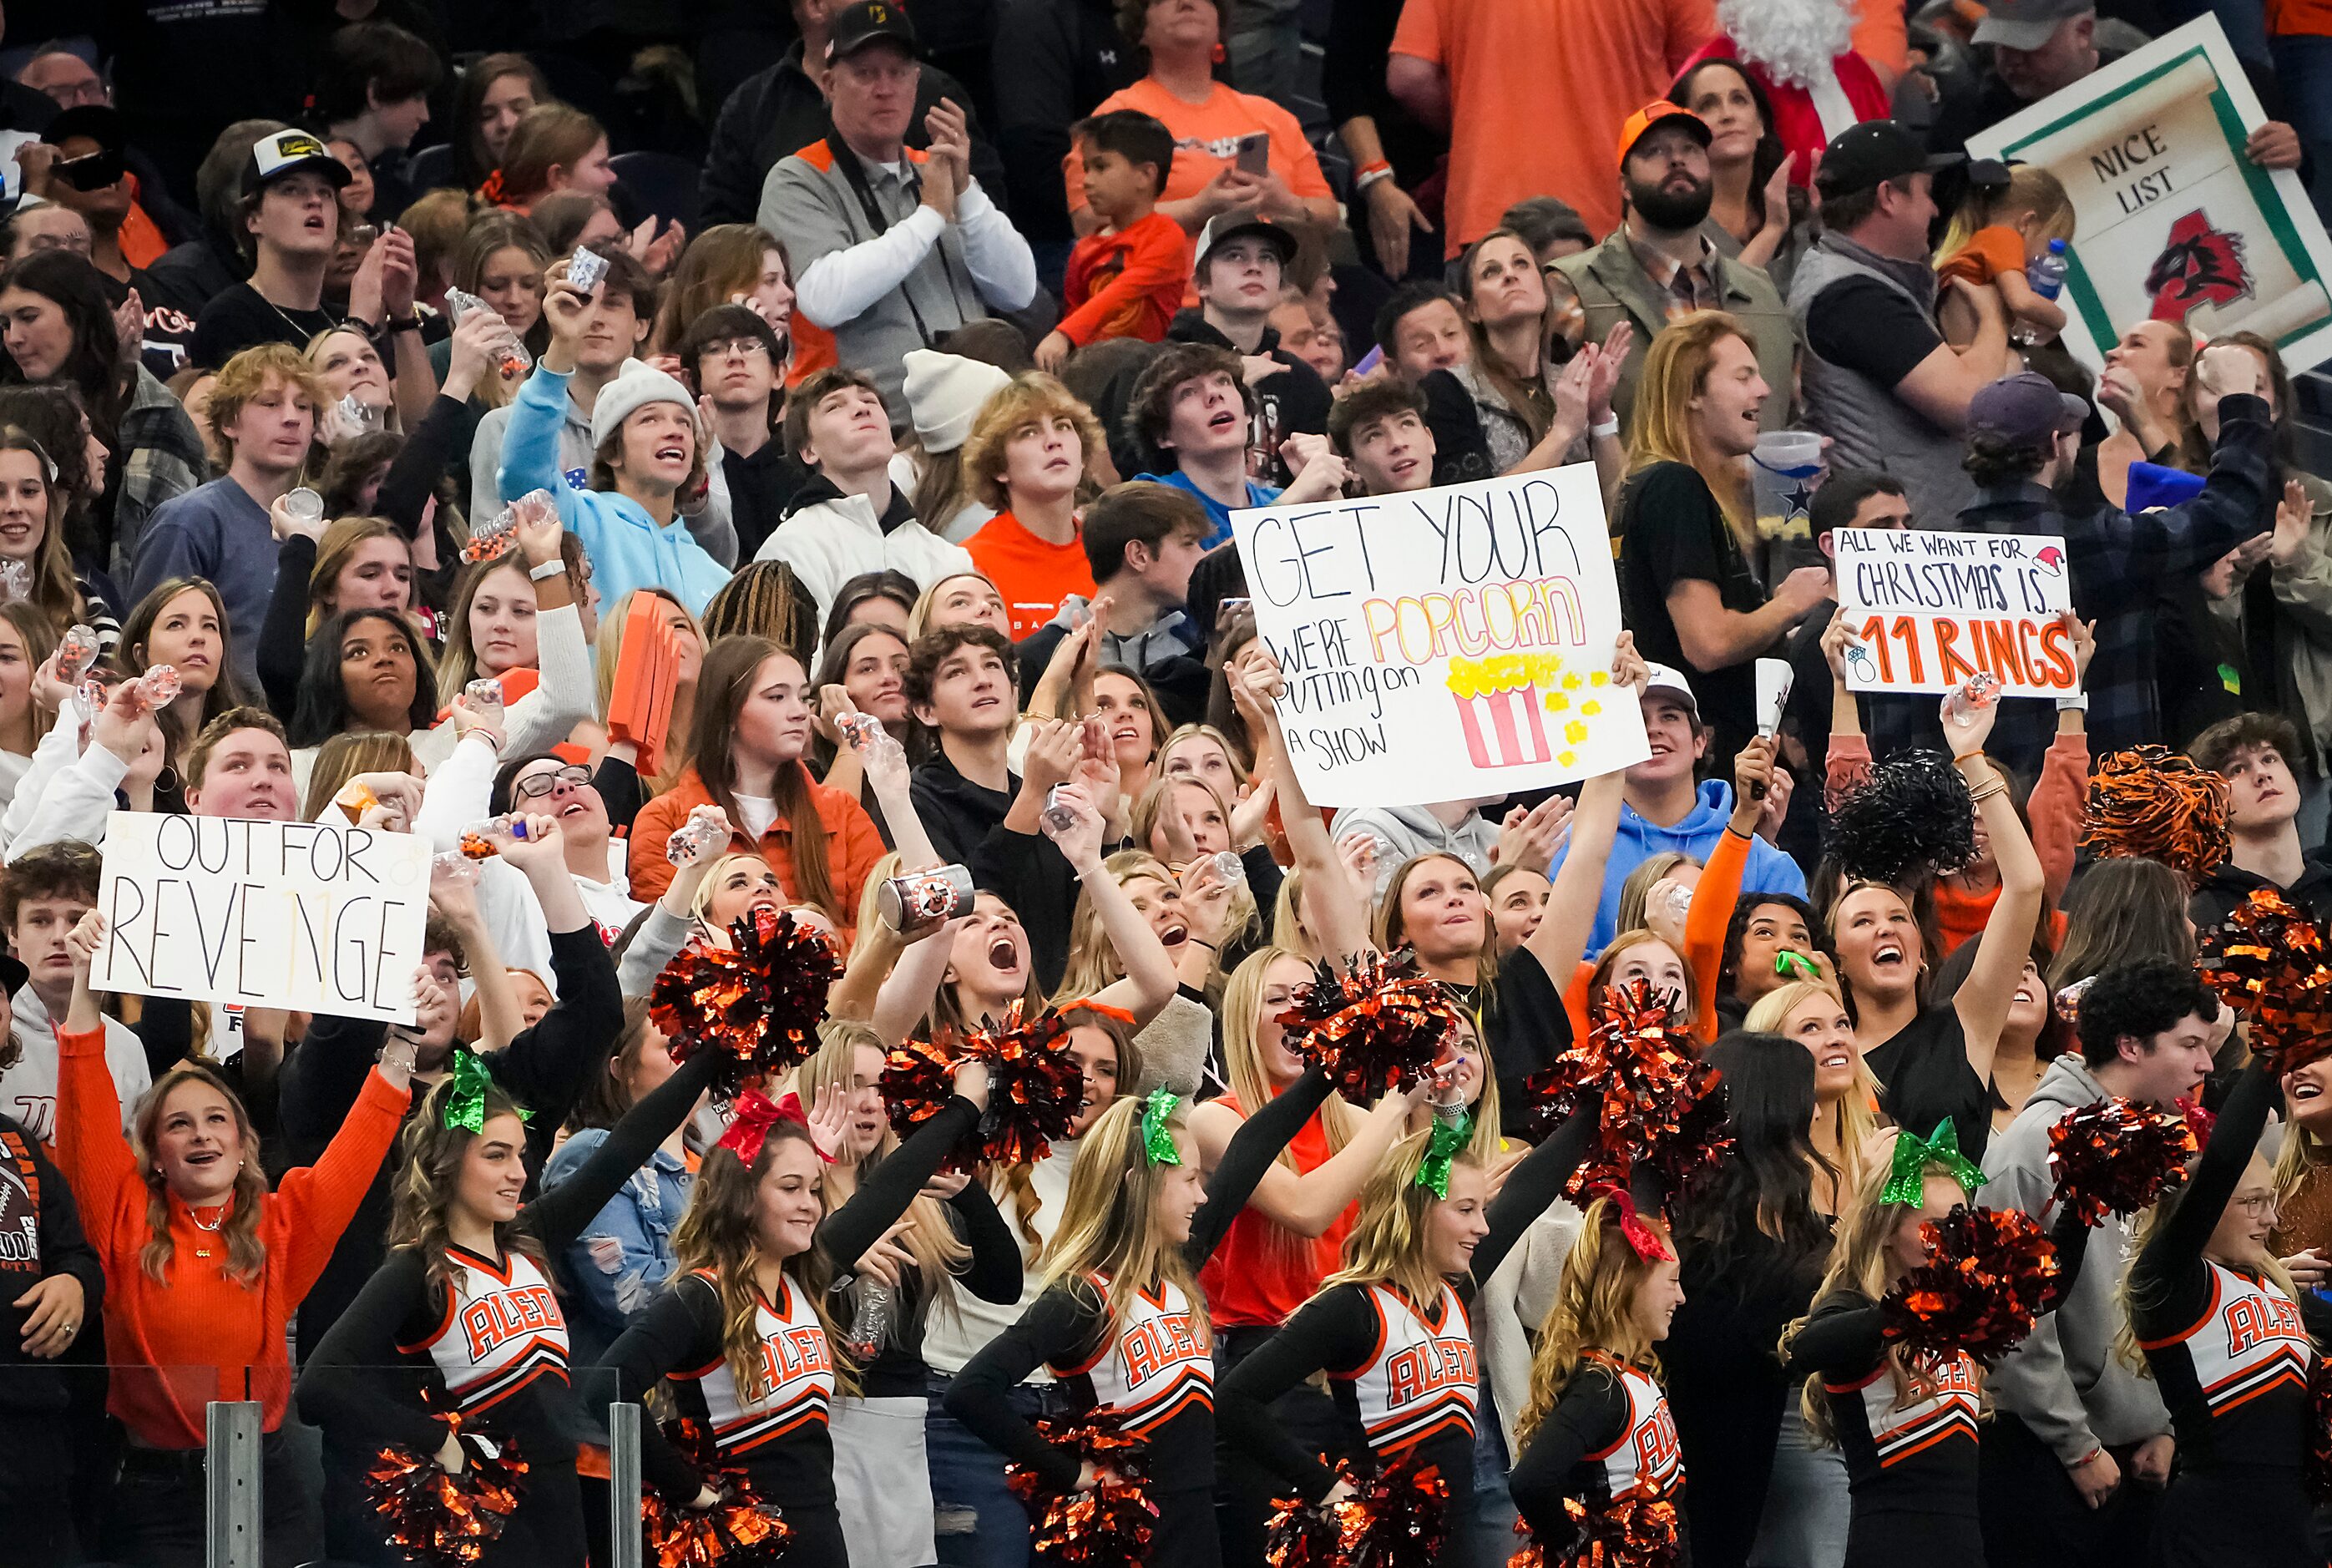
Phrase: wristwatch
(546, 572)
(2073, 703)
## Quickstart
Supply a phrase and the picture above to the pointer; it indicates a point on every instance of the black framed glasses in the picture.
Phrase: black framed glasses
(535, 785)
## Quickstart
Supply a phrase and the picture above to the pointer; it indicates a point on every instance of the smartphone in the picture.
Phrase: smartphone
(1255, 153)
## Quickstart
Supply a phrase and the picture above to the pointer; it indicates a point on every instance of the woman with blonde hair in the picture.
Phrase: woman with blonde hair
(955, 600)
(727, 265)
(1908, 1428)
(203, 1265)
(1689, 547)
(1597, 1425)
(1811, 1014)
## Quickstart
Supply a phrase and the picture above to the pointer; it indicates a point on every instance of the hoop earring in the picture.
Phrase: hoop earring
(166, 782)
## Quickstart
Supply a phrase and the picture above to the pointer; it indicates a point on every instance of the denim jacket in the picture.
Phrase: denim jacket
(625, 1254)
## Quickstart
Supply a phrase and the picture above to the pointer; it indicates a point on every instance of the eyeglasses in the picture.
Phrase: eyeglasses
(535, 785)
(2255, 1203)
(741, 347)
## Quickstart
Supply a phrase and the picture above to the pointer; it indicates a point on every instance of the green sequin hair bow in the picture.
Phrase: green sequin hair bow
(465, 1101)
(1157, 1134)
(1907, 1176)
(1448, 1138)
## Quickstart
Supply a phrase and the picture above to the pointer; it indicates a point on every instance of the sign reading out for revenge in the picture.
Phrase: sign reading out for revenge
(1931, 609)
(1446, 643)
(317, 916)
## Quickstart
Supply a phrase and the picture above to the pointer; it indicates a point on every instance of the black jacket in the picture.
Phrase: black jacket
(40, 1238)
(543, 1069)
(956, 812)
(775, 114)
(1061, 59)
(2228, 886)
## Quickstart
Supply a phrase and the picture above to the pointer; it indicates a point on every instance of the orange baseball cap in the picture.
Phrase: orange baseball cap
(1659, 112)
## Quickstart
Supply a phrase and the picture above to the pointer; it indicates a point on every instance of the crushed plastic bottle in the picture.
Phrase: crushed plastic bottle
(1971, 697)
(159, 687)
(511, 356)
(485, 691)
(858, 730)
(696, 840)
(451, 865)
(77, 650)
(1230, 868)
(15, 582)
(585, 269)
(871, 1321)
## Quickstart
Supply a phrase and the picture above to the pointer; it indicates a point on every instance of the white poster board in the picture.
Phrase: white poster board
(2172, 220)
(1444, 645)
(317, 916)
(1930, 609)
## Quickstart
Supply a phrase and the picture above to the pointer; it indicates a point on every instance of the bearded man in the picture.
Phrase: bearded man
(1658, 264)
(1823, 68)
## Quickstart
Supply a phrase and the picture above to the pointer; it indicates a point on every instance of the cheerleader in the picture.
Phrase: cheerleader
(1908, 1433)
(1597, 1427)
(740, 1337)
(1121, 1321)
(463, 1312)
(1393, 1330)
(2213, 1311)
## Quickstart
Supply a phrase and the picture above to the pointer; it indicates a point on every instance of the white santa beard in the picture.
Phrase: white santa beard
(1794, 40)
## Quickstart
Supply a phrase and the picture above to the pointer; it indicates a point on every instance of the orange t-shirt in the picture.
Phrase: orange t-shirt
(1988, 253)
(1207, 137)
(1538, 90)
(1263, 1271)
(1033, 575)
(2286, 18)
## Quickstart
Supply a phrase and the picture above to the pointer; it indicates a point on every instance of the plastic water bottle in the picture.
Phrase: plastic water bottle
(871, 1321)
(2046, 277)
(1978, 691)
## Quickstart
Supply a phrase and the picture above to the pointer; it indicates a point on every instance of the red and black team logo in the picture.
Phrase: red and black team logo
(2199, 265)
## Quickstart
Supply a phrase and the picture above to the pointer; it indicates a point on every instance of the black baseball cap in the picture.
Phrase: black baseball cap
(1867, 156)
(854, 27)
(12, 974)
(101, 122)
(2025, 410)
(289, 152)
(1221, 231)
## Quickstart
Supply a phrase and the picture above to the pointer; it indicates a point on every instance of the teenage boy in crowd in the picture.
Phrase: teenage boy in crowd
(2078, 1447)
(54, 884)
(960, 683)
(1025, 458)
(1192, 406)
(1379, 429)
(1142, 540)
(848, 518)
(1240, 272)
(1423, 332)
(2253, 752)
(372, 90)
(622, 309)
(265, 406)
(1127, 278)
(1666, 805)
(739, 361)
(891, 248)
(648, 451)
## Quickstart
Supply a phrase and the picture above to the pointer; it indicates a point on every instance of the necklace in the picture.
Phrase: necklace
(285, 316)
(212, 1226)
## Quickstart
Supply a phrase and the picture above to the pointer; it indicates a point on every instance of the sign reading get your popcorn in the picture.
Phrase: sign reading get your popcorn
(1444, 645)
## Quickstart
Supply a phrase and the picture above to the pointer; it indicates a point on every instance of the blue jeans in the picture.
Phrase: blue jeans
(978, 1520)
(1494, 1506)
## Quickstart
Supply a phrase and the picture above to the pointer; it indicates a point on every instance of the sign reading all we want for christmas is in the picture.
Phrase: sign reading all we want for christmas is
(1444, 645)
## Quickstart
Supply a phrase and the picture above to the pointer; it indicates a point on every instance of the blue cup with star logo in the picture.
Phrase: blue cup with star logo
(1783, 471)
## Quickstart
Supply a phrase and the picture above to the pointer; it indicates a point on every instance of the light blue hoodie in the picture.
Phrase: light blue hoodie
(626, 547)
(1769, 870)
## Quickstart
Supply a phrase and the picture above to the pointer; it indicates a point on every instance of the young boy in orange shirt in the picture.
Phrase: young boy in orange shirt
(1128, 278)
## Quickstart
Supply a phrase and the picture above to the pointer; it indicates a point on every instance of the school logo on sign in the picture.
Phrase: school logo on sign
(2199, 265)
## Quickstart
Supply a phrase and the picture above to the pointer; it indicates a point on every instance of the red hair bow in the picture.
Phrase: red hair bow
(1641, 1236)
(752, 1116)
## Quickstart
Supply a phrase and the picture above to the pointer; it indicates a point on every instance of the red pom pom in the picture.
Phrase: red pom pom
(2117, 1156)
(1374, 1025)
(758, 1002)
(2267, 963)
(1398, 1516)
(1659, 1098)
(1635, 1532)
(739, 1531)
(1106, 1526)
(437, 1517)
(1035, 1089)
(1986, 1279)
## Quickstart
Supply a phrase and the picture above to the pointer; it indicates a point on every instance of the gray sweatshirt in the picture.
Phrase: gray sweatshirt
(1404, 832)
(2065, 1382)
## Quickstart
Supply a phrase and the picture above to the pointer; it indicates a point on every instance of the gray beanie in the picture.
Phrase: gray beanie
(635, 385)
(945, 393)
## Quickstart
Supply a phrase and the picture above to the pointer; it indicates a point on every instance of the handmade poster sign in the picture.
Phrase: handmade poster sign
(2172, 221)
(320, 916)
(1930, 609)
(1446, 643)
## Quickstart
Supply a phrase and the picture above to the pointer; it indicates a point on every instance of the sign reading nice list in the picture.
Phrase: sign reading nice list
(1444, 644)
(317, 916)
(1929, 610)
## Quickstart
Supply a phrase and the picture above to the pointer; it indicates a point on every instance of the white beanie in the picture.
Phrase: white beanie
(945, 393)
(635, 385)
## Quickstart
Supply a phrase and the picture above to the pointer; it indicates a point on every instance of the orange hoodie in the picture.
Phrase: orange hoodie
(200, 1337)
(852, 846)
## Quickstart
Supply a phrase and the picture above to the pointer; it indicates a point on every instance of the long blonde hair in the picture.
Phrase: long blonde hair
(246, 1254)
(1251, 1083)
(2031, 189)
(1017, 1182)
(1676, 370)
(1857, 1113)
(1594, 1314)
(1859, 1263)
(2266, 1265)
(1386, 1244)
(1107, 1226)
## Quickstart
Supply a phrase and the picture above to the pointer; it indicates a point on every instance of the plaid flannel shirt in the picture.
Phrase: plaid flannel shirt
(2119, 564)
(161, 457)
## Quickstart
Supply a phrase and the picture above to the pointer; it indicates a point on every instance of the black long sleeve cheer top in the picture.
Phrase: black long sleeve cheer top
(1152, 1368)
(1402, 1375)
(776, 1430)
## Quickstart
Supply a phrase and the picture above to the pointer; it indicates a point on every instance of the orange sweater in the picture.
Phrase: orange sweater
(201, 1336)
(851, 845)
(1705, 922)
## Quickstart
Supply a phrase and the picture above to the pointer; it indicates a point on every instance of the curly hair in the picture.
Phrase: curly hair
(1025, 400)
(1150, 409)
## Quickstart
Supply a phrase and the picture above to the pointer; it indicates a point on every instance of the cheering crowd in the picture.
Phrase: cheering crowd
(754, 494)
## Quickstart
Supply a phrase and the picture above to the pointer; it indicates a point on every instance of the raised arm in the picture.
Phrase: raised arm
(1532, 1186)
(2171, 1258)
(558, 1216)
(1250, 1154)
(1149, 980)
(2006, 944)
(1339, 906)
(1308, 1203)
